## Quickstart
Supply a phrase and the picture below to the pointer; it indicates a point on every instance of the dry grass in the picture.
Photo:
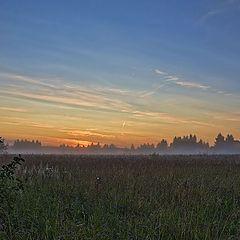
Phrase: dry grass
(135, 197)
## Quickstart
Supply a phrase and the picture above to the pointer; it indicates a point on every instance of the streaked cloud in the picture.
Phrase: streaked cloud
(167, 118)
(157, 71)
(210, 14)
(26, 122)
(151, 92)
(66, 94)
(192, 85)
(97, 98)
(13, 109)
(26, 79)
(224, 7)
(87, 133)
(93, 113)
(169, 78)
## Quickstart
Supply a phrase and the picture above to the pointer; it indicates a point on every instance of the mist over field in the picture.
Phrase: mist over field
(179, 145)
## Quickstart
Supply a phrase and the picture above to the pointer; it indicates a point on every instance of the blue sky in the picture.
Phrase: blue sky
(178, 58)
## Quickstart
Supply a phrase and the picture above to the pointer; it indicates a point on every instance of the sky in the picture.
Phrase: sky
(121, 72)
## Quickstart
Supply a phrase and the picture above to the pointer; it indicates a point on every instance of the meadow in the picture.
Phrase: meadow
(125, 197)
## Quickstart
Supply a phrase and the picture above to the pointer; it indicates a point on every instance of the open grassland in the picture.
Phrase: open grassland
(126, 197)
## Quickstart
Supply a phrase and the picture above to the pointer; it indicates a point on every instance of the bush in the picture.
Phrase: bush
(10, 187)
(3, 146)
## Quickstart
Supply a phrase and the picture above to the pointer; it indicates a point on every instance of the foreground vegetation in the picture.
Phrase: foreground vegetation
(125, 197)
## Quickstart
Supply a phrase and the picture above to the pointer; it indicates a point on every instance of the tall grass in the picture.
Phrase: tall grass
(127, 197)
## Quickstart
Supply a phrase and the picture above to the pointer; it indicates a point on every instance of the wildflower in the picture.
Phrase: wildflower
(98, 183)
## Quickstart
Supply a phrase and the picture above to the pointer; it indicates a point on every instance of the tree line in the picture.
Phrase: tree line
(189, 144)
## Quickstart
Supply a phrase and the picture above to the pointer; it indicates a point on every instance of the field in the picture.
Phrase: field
(126, 197)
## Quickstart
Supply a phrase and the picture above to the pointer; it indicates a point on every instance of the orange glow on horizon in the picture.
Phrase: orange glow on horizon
(77, 114)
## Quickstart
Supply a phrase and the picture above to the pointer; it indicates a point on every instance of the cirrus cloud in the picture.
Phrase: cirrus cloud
(177, 81)
(192, 85)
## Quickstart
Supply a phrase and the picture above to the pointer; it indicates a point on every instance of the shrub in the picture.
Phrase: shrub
(3, 146)
(10, 187)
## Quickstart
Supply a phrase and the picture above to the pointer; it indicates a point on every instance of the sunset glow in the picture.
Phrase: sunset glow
(119, 72)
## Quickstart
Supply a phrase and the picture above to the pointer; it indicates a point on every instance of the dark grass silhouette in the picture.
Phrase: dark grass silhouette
(127, 197)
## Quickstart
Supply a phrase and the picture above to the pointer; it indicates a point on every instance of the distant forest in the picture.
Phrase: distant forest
(180, 145)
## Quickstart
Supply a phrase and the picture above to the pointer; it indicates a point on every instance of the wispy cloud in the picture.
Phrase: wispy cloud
(233, 119)
(172, 79)
(167, 118)
(90, 98)
(210, 14)
(25, 122)
(157, 71)
(87, 134)
(151, 92)
(225, 116)
(12, 109)
(72, 95)
(97, 98)
(66, 94)
(165, 75)
(192, 85)
(225, 6)
(26, 79)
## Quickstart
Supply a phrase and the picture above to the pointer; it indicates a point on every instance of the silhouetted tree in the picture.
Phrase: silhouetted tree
(219, 141)
(105, 147)
(226, 145)
(162, 146)
(146, 148)
(25, 144)
(188, 144)
(230, 139)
